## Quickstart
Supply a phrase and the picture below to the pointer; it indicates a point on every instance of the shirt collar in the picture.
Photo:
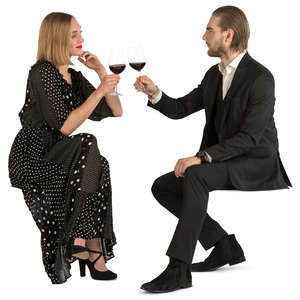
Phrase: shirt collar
(232, 65)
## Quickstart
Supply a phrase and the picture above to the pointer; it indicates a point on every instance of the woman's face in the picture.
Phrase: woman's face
(76, 39)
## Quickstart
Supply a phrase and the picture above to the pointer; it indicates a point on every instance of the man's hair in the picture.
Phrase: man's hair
(54, 39)
(234, 18)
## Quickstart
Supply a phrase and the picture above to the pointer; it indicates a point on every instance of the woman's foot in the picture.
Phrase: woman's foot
(100, 263)
(95, 244)
(79, 250)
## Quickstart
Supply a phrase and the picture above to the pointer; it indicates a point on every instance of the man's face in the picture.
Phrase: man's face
(215, 38)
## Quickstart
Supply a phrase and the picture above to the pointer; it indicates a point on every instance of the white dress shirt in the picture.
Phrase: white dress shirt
(229, 72)
(227, 77)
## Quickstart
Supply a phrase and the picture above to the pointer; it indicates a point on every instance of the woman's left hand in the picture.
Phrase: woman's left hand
(91, 61)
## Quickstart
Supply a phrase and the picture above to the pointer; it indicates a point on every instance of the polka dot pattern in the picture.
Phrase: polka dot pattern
(64, 179)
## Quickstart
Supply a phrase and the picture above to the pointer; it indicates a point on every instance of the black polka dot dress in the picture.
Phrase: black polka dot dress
(64, 179)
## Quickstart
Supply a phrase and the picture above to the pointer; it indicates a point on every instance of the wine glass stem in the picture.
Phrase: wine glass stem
(140, 71)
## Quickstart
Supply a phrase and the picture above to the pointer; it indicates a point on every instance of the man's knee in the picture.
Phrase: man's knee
(156, 188)
(165, 184)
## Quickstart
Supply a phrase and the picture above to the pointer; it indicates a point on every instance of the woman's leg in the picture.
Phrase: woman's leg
(95, 244)
(79, 242)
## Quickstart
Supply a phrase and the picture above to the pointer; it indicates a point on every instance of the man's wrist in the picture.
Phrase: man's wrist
(208, 157)
(155, 93)
(202, 156)
(157, 97)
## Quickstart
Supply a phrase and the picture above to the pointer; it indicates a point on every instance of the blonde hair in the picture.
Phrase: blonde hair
(54, 39)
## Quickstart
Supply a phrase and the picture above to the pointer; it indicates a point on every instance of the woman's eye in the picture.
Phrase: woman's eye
(75, 34)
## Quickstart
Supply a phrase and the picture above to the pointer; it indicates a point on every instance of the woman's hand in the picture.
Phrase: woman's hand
(109, 83)
(91, 61)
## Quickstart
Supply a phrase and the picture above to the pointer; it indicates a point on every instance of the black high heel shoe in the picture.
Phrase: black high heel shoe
(80, 251)
(95, 274)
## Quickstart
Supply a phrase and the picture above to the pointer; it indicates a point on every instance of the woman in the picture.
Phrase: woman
(64, 179)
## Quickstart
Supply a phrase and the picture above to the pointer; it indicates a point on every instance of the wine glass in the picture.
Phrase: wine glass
(137, 58)
(117, 64)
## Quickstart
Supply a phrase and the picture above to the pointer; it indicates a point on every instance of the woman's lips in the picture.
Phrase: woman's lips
(79, 47)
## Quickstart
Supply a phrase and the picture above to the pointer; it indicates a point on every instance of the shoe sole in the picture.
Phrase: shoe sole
(237, 261)
(166, 291)
(231, 263)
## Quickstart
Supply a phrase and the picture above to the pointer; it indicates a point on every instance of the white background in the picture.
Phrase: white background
(143, 144)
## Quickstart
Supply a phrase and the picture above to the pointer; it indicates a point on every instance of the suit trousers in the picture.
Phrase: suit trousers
(187, 198)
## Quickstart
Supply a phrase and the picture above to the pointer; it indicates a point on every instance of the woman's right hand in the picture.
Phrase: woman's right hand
(109, 83)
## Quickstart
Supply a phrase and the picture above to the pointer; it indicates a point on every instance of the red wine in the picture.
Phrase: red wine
(137, 65)
(117, 69)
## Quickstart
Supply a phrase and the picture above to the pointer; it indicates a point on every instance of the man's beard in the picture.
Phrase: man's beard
(216, 53)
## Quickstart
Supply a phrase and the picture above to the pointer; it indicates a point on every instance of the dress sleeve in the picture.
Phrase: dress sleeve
(46, 86)
(102, 110)
(30, 115)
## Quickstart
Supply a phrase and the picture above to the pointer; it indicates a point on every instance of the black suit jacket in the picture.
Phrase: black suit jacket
(247, 140)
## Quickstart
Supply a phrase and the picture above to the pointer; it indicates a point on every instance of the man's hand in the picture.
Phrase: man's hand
(183, 163)
(146, 85)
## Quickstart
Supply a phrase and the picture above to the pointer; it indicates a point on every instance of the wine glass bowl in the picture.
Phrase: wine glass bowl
(117, 64)
(138, 66)
(136, 58)
(118, 68)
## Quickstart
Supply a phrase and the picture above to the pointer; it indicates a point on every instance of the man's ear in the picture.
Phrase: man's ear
(229, 35)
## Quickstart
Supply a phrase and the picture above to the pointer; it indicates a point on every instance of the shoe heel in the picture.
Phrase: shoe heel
(82, 267)
(237, 261)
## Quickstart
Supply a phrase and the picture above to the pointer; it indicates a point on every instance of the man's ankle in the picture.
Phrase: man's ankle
(176, 260)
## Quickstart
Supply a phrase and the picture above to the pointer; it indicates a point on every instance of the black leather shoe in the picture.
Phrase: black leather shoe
(226, 251)
(176, 276)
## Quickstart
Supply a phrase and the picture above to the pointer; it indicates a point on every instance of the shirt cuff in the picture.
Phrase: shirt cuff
(209, 157)
(156, 99)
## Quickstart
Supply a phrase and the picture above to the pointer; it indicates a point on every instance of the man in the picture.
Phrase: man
(239, 149)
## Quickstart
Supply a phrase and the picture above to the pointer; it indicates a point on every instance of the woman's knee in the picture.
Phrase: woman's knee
(104, 162)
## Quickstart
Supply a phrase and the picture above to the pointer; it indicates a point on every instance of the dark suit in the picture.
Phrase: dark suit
(244, 151)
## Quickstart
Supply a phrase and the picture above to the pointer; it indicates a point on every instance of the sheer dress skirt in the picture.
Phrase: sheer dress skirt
(68, 191)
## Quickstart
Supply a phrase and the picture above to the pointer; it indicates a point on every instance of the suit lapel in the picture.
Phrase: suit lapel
(238, 79)
(213, 95)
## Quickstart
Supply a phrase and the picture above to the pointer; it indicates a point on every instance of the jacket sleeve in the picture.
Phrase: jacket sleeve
(102, 110)
(180, 107)
(259, 110)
